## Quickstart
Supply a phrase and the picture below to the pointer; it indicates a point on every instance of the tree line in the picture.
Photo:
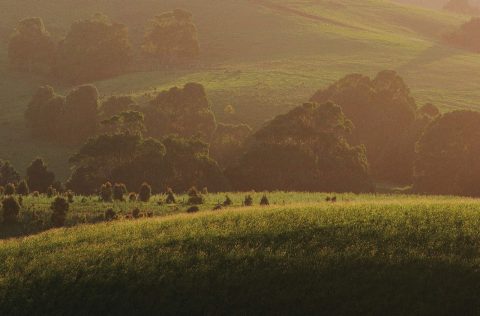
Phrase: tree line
(352, 134)
(99, 48)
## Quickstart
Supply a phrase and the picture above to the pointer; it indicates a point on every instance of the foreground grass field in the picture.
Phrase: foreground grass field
(367, 255)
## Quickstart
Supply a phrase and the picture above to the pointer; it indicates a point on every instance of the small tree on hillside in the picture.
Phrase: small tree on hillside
(10, 189)
(60, 208)
(119, 191)
(145, 192)
(38, 176)
(106, 192)
(23, 188)
(11, 209)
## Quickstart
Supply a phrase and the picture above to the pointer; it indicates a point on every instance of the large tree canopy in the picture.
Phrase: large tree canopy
(174, 162)
(467, 36)
(384, 115)
(171, 37)
(303, 150)
(447, 156)
(185, 112)
(94, 49)
(69, 119)
(31, 47)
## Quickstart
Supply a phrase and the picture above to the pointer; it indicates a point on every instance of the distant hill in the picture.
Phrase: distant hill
(261, 56)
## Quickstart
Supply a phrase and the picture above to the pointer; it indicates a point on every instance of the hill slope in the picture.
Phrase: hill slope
(396, 257)
(261, 56)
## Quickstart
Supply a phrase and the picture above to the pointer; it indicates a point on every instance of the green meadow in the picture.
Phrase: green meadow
(375, 255)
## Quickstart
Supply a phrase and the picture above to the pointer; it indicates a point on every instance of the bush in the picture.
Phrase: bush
(60, 208)
(248, 201)
(11, 209)
(110, 215)
(264, 201)
(51, 192)
(106, 192)
(194, 197)
(119, 190)
(2, 190)
(170, 197)
(36, 194)
(10, 189)
(136, 213)
(228, 201)
(193, 209)
(132, 197)
(145, 192)
(22, 188)
(70, 197)
(218, 207)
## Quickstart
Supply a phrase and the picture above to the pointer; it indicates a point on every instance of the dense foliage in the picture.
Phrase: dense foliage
(467, 36)
(447, 160)
(385, 118)
(304, 149)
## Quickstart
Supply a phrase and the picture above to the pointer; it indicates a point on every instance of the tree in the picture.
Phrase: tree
(385, 116)
(31, 48)
(60, 208)
(467, 36)
(145, 192)
(185, 112)
(11, 209)
(23, 188)
(8, 174)
(228, 142)
(303, 150)
(447, 156)
(94, 49)
(117, 104)
(171, 37)
(69, 119)
(106, 192)
(38, 176)
(129, 122)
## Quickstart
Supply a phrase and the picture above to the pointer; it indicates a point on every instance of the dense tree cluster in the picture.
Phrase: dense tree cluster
(8, 174)
(98, 48)
(31, 48)
(93, 49)
(304, 149)
(172, 37)
(447, 156)
(386, 121)
(130, 159)
(182, 111)
(39, 178)
(467, 36)
(69, 119)
(228, 142)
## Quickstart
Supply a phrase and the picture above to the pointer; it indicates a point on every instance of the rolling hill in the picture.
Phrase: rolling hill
(374, 255)
(261, 56)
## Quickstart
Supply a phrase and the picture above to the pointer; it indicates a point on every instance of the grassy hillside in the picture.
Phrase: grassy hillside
(261, 56)
(377, 256)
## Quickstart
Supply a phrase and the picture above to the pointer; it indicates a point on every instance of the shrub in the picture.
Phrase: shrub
(205, 190)
(106, 192)
(36, 194)
(248, 201)
(51, 192)
(264, 201)
(119, 190)
(194, 197)
(60, 208)
(218, 207)
(70, 197)
(2, 190)
(193, 209)
(23, 188)
(110, 215)
(11, 209)
(10, 189)
(170, 197)
(132, 197)
(136, 213)
(228, 201)
(145, 192)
